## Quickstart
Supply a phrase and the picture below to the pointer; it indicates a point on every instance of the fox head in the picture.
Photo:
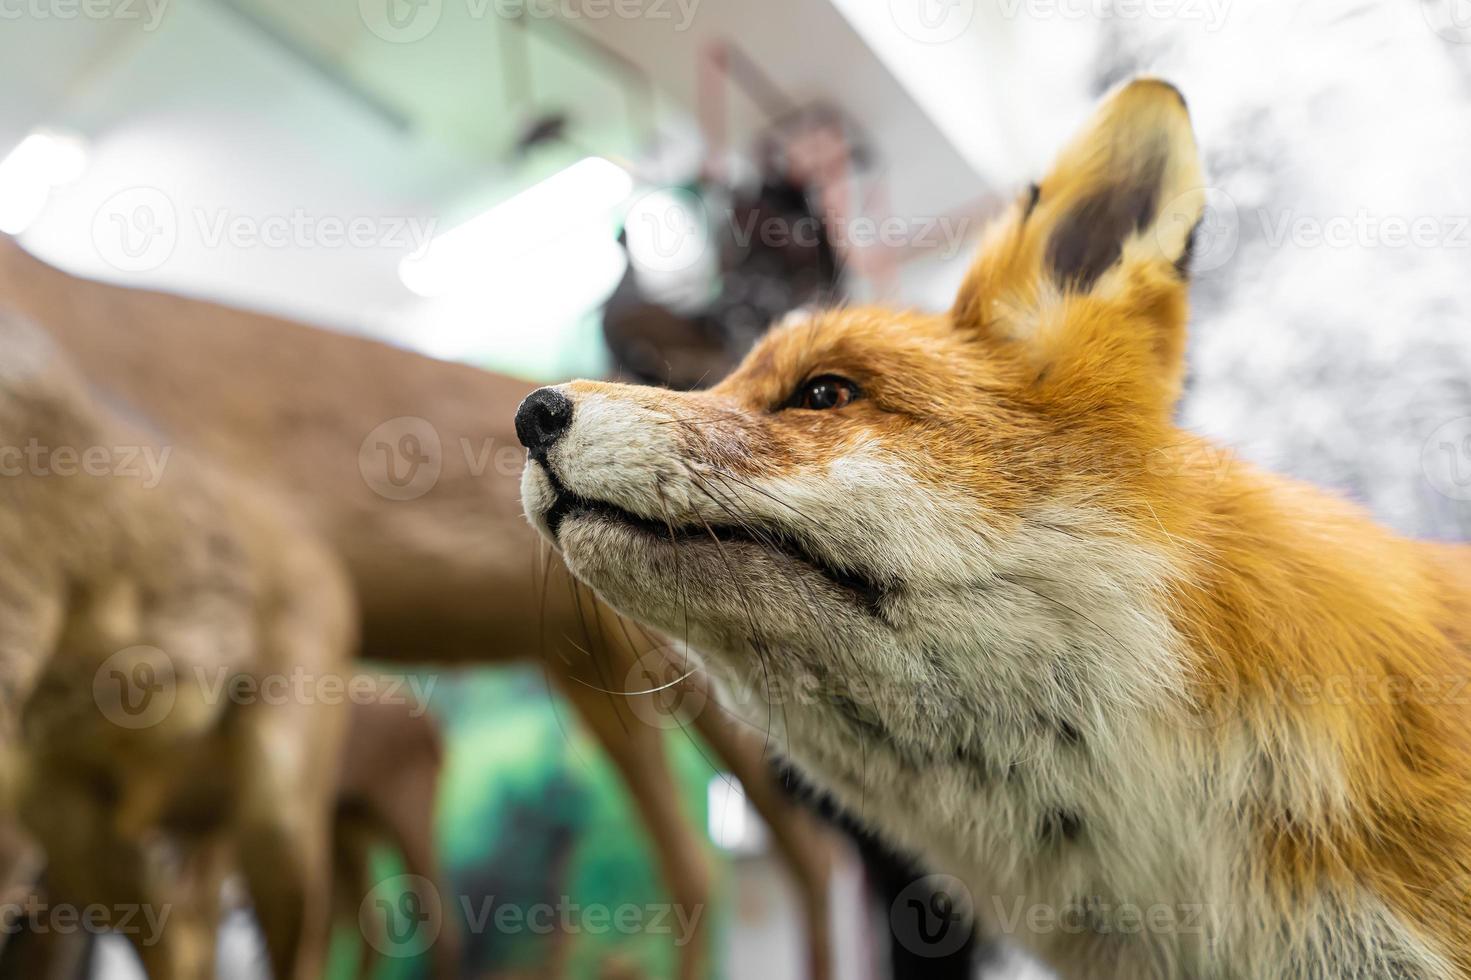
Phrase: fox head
(952, 506)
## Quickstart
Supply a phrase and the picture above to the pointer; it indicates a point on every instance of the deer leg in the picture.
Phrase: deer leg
(801, 839)
(637, 749)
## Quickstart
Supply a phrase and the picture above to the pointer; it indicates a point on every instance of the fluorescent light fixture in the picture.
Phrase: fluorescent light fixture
(523, 306)
(580, 196)
(45, 159)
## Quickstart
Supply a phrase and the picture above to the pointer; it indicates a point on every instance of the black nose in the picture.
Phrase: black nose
(542, 418)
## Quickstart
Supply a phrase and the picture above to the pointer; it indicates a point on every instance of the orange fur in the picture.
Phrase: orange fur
(1327, 660)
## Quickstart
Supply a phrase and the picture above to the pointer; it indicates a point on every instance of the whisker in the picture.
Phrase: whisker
(684, 613)
(725, 474)
(546, 676)
(541, 601)
(805, 584)
(754, 638)
(707, 419)
(599, 663)
(635, 694)
(803, 587)
(684, 599)
(760, 535)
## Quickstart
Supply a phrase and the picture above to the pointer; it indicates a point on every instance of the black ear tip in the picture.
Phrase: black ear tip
(1034, 194)
(1182, 264)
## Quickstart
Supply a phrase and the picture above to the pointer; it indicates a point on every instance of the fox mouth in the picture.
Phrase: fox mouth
(866, 592)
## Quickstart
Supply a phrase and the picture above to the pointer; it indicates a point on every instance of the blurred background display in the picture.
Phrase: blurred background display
(553, 189)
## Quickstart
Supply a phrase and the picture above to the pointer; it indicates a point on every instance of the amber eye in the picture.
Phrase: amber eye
(825, 392)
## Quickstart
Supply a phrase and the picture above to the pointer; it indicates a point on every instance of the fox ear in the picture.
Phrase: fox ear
(1096, 256)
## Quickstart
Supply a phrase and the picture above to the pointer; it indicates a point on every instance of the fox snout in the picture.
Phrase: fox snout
(544, 417)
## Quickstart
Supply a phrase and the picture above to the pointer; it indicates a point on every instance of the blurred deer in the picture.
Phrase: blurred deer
(409, 468)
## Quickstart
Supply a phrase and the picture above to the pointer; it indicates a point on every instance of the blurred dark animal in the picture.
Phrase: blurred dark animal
(758, 282)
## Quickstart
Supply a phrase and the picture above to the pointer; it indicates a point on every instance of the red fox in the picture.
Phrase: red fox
(1164, 714)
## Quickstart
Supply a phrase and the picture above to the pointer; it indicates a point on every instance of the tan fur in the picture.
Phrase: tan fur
(1067, 650)
(450, 578)
(198, 581)
(386, 791)
(387, 784)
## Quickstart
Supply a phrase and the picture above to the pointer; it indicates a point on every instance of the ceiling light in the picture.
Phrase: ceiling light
(43, 160)
(582, 195)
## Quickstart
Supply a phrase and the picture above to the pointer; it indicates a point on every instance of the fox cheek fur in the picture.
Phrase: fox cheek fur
(1019, 622)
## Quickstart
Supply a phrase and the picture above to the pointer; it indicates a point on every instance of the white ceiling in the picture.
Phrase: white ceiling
(267, 109)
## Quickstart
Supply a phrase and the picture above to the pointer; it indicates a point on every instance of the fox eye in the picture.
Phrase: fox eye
(825, 392)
